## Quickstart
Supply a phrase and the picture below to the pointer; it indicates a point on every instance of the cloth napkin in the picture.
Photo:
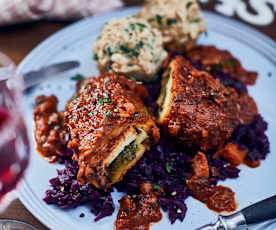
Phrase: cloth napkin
(14, 11)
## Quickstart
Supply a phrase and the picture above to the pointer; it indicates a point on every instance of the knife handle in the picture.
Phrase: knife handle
(261, 211)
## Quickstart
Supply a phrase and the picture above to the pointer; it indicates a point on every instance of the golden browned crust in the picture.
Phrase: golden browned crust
(200, 110)
(98, 117)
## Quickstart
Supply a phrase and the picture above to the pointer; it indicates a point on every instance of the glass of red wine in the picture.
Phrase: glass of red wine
(14, 144)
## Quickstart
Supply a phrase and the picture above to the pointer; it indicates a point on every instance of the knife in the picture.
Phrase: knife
(35, 77)
(256, 213)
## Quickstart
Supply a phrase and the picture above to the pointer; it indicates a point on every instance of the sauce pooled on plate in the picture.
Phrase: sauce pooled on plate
(138, 212)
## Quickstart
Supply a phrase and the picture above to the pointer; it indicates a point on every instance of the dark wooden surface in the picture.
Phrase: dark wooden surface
(17, 41)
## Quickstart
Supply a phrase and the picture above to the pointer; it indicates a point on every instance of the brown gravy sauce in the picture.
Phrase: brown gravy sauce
(50, 134)
(138, 212)
(216, 197)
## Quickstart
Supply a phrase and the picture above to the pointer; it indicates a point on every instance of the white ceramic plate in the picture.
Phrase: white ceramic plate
(255, 51)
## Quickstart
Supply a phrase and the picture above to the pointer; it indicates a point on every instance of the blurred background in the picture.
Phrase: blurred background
(17, 40)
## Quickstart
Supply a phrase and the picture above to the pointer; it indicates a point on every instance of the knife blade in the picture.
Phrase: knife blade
(35, 77)
(256, 213)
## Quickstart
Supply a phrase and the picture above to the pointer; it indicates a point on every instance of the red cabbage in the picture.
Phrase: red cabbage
(166, 165)
(67, 192)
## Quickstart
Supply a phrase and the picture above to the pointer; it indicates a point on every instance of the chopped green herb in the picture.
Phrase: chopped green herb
(108, 101)
(140, 45)
(132, 27)
(171, 21)
(141, 25)
(108, 51)
(92, 113)
(107, 114)
(124, 49)
(157, 186)
(188, 5)
(167, 165)
(230, 63)
(196, 20)
(227, 83)
(84, 86)
(106, 80)
(226, 93)
(106, 96)
(219, 66)
(96, 57)
(132, 52)
(159, 19)
(100, 101)
(151, 19)
(74, 98)
(77, 77)
(128, 51)
(152, 205)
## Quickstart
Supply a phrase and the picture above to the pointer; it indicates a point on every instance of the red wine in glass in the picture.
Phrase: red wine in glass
(14, 144)
(13, 152)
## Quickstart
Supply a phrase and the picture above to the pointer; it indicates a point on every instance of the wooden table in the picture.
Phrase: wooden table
(17, 41)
